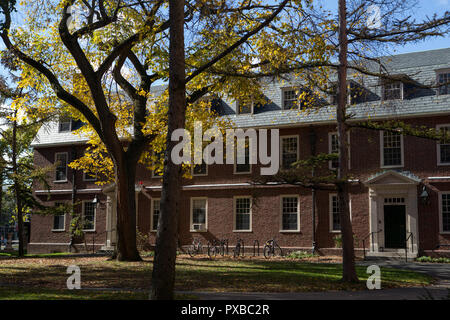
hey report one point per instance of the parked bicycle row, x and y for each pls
(222, 248)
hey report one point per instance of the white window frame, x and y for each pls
(281, 147)
(250, 145)
(191, 229)
(329, 149)
(199, 174)
(438, 145)
(67, 164)
(281, 213)
(251, 213)
(64, 224)
(330, 211)
(441, 223)
(70, 126)
(238, 108)
(297, 93)
(439, 72)
(402, 152)
(83, 214)
(151, 212)
(87, 179)
(402, 92)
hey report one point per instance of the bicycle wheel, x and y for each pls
(236, 251)
(191, 250)
(277, 252)
(212, 251)
(267, 251)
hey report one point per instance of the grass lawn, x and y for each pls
(44, 277)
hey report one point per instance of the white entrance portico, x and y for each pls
(393, 213)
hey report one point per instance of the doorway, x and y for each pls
(394, 226)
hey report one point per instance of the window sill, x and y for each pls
(90, 230)
(289, 231)
(199, 231)
(444, 164)
(249, 172)
(243, 231)
(58, 230)
(60, 181)
(392, 167)
(335, 231)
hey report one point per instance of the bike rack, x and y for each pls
(226, 242)
(255, 245)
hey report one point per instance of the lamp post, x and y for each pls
(424, 196)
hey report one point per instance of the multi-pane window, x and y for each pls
(59, 219)
(65, 124)
(88, 177)
(445, 212)
(392, 90)
(156, 207)
(244, 107)
(335, 221)
(290, 99)
(392, 148)
(444, 145)
(242, 207)
(444, 83)
(198, 222)
(61, 166)
(334, 148)
(200, 169)
(289, 151)
(89, 215)
(243, 167)
(289, 214)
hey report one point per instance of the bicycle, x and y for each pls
(271, 248)
(237, 248)
(213, 248)
(195, 248)
(217, 247)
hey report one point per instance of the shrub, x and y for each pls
(433, 260)
(300, 255)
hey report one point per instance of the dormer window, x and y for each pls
(356, 93)
(293, 98)
(244, 107)
(444, 82)
(65, 124)
(290, 99)
(392, 90)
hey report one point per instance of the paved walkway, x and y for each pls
(441, 290)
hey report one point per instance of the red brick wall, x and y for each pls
(420, 158)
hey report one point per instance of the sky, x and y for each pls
(425, 8)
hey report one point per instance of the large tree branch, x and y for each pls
(61, 93)
(237, 43)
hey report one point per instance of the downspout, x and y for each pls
(312, 141)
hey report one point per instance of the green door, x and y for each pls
(394, 226)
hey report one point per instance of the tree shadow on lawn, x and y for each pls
(204, 275)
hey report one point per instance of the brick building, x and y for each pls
(400, 185)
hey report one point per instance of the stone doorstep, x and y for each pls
(392, 254)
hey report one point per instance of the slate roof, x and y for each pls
(419, 66)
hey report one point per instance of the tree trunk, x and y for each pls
(17, 187)
(348, 253)
(126, 209)
(163, 277)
